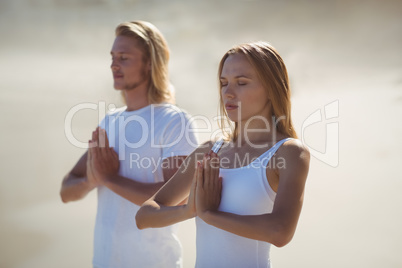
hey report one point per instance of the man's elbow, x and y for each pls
(63, 199)
(67, 195)
(63, 196)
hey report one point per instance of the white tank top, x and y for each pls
(245, 191)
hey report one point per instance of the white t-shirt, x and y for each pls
(142, 139)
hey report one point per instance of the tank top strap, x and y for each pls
(265, 157)
(217, 146)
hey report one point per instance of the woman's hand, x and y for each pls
(208, 186)
(191, 202)
(103, 161)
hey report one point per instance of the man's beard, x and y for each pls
(145, 78)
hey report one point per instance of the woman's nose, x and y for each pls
(228, 92)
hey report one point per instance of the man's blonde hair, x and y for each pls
(156, 51)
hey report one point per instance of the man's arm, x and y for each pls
(104, 164)
(75, 185)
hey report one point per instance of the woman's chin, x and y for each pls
(233, 119)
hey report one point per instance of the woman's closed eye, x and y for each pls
(241, 83)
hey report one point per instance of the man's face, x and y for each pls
(128, 67)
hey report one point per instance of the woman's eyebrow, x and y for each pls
(237, 76)
(243, 76)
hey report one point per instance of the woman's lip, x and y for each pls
(231, 107)
(117, 76)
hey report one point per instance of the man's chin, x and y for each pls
(118, 87)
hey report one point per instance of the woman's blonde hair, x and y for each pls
(155, 50)
(271, 71)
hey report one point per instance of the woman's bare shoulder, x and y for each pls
(294, 149)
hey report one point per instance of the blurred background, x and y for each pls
(54, 55)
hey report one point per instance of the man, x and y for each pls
(150, 140)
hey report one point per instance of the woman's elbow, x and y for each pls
(282, 236)
(138, 220)
(281, 242)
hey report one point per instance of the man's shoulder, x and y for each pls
(116, 111)
(170, 112)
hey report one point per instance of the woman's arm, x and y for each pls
(277, 227)
(138, 192)
(162, 209)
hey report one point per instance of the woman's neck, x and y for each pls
(257, 132)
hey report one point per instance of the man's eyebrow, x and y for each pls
(118, 52)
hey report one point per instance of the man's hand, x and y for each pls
(103, 161)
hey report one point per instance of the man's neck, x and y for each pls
(136, 98)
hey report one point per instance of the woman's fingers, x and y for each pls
(220, 186)
(195, 177)
(200, 175)
(215, 168)
(211, 171)
(207, 171)
(194, 184)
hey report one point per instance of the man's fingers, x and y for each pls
(105, 150)
(113, 153)
(89, 154)
(94, 142)
(96, 137)
(94, 151)
(103, 141)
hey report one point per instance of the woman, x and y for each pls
(246, 192)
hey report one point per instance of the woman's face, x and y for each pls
(242, 92)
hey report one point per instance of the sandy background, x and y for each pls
(55, 55)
